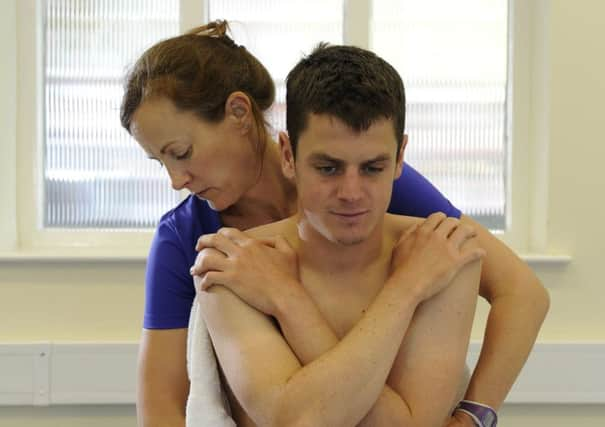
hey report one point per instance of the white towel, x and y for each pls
(207, 405)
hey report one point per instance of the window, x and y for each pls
(278, 33)
(458, 104)
(94, 175)
(452, 57)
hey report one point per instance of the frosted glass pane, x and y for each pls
(278, 33)
(452, 56)
(95, 175)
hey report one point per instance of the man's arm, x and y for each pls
(427, 374)
(305, 329)
(309, 335)
(336, 389)
(519, 304)
(162, 384)
(339, 386)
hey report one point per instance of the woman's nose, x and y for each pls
(179, 179)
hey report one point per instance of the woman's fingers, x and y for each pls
(408, 232)
(447, 227)
(471, 255)
(218, 241)
(206, 281)
(236, 236)
(208, 259)
(433, 221)
(461, 234)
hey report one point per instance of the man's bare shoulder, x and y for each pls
(395, 225)
(280, 228)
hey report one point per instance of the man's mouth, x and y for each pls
(348, 214)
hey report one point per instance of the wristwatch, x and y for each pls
(482, 415)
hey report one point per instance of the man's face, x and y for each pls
(345, 178)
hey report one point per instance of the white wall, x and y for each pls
(101, 302)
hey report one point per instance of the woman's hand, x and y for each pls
(259, 271)
(429, 255)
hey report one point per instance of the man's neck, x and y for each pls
(318, 253)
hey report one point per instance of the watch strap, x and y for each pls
(482, 415)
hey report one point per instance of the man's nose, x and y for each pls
(350, 186)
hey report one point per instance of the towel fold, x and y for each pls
(207, 404)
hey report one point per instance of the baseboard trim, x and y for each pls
(45, 373)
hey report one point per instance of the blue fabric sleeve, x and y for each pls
(169, 289)
(414, 195)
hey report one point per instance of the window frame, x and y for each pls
(20, 180)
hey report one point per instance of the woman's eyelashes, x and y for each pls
(182, 155)
(157, 160)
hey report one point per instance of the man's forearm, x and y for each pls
(340, 387)
(513, 324)
(309, 335)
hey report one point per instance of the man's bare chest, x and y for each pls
(343, 298)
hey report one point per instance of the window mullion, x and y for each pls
(8, 124)
(357, 16)
(193, 13)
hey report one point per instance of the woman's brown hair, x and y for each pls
(198, 71)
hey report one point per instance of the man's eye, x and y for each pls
(373, 170)
(326, 170)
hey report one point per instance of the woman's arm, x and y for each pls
(162, 384)
(518, 300)
(162, 381)
(519, 304)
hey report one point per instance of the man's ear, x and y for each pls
(399, 164)
(238, 109)
(287, 156)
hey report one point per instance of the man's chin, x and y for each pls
(350, 240)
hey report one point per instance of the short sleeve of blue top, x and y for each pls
(169, 289)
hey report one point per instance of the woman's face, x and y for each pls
(214, 161)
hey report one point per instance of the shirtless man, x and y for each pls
(352, 316)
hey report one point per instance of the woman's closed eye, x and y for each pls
(182, 155)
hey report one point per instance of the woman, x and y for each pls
(196, 104)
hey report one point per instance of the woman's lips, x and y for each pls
(202, 193)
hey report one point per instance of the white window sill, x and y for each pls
(546, 259)
(140, 256)
(72, 255)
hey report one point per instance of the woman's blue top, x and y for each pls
(169, 289)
